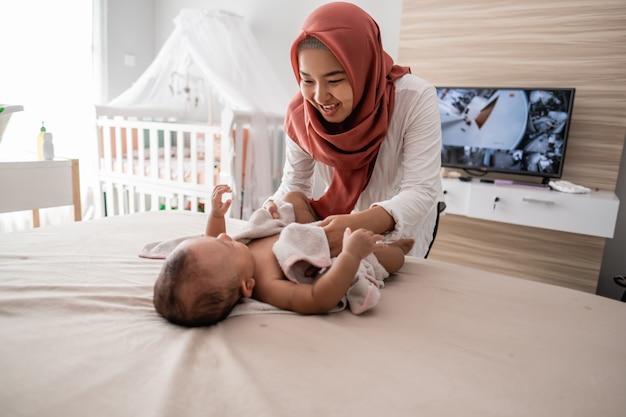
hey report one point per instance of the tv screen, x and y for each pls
(510, 130)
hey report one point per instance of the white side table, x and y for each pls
(27, 183)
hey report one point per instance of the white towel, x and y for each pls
(160, 249)
(299, 247)
(261, 224)
(251, 306)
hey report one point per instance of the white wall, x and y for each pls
(274, 22)
(129, 31)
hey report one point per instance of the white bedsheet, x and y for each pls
(79, 337)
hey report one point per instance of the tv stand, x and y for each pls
(514, 183)
(533, 205)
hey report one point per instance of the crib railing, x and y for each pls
(147, 165)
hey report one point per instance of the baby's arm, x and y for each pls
(216, 223)
(329, 289)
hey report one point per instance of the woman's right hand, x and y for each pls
(272, 208)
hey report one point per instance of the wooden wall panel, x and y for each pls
(531, 43)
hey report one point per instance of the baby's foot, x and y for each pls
(404, 244)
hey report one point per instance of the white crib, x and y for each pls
(147, 162)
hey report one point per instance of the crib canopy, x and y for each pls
(210, 62)
(209, 69)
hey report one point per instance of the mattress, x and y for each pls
(79, 337)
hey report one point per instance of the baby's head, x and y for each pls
(202, 280)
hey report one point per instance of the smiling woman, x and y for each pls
(367, 126)
(46, 67)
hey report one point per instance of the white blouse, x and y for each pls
(406, 180)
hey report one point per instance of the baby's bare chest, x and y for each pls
(267, 267)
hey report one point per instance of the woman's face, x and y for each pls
(324, 83)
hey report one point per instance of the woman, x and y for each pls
(370, 127)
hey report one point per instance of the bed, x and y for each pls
(80, 338)
(147, 160)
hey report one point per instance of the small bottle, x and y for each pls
(40, 141)
(48, 147)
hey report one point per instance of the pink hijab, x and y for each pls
(354, 38)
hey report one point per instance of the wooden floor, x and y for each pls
(559, 258)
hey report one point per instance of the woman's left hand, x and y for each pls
(335, 226)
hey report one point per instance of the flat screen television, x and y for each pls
(520, 131)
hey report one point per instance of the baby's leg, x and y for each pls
(301, 206)
(392, 257)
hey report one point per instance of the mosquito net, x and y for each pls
(209, 66)
(211, 61)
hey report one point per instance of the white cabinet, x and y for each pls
(457, 194)
(592, 214)
(27, 183)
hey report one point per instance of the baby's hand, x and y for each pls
(361, 242)
(272, 208)
(219, 207)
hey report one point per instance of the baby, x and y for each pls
(203, 278)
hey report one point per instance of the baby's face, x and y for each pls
(223, 255)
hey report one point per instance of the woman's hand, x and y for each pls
(334, 227)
